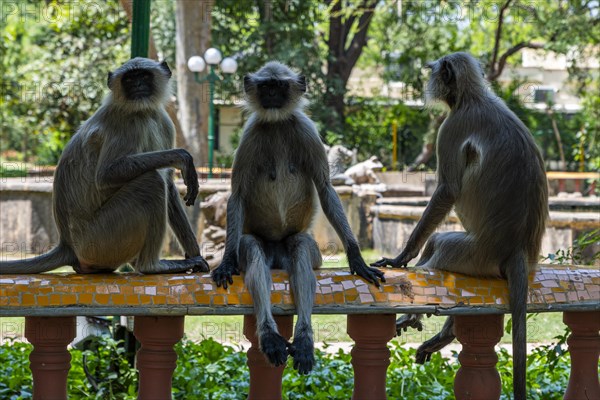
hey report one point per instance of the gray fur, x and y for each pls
(280, 168)
(113, 186)
(491, 171)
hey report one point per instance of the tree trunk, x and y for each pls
(345, 47)
(193, 38)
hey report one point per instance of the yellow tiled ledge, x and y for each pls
(552, 288)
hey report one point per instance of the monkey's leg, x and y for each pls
(151, 192)
(305, 257)
(436, 343)
(253, 260)
(459, 252)
(454, 252)
(118, 230)
(180, 224)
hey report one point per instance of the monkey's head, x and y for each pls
(274, 92)
(454, 78)
(140, 84)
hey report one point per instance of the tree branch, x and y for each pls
(335, 28)
(498, 36)
(493, 75)
(360, 38)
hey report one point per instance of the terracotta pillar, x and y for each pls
(265, 380)
(156, 360)
(370, 354)
(50, 361)
(477, 377)
(584, 347)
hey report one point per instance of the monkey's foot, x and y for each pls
(274, 347)
(432, 345)
(302, 350)
(409, 321)
(399, 262)
(223, 274)
(195, 264)
(198, 264)
(385, 262)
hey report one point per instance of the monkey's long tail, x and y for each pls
(57, 257)
(516, 273)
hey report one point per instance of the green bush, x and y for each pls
(210, 370)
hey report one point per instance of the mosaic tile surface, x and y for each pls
(551, 288)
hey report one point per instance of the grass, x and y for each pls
(541, 328)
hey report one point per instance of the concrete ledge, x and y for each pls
(552, 288)
(558, 219)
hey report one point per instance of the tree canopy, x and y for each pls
(55, 56)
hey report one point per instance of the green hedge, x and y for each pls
(210, 370)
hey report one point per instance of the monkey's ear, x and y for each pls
(109, 79)
(247, 83)
(446, 72)
(302, 83)
(166, 68)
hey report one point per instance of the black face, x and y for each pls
(138, 84)
(273, 93)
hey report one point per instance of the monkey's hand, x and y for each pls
(223, 274)
(190, 177)
(360, 268)
(399, 262)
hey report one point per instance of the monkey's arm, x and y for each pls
(439, 206)
(124, 169)
(180, 224)
(222, 275)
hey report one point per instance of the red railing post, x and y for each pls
(265, 380)
(156, 359)
(477, 377)
(584, 347)
(370, 354)
(50, 360)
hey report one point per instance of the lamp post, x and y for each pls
(196, 64)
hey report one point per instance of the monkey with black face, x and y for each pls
(491, 171)
(113, 186)
(280, 169)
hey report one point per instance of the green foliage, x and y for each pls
(210, 370)
(369, 129)
(12, 169)
(15, 377)
(54, 70)
(111, 375)
(577, 253)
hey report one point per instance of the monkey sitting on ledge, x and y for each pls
(113, 187)
(491, 171)
(280, 169)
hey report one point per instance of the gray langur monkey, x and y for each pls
(113, 186)
(279, 170)
(491, 171)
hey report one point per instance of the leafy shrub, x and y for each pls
(210, 370)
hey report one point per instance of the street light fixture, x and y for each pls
(196, 64)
